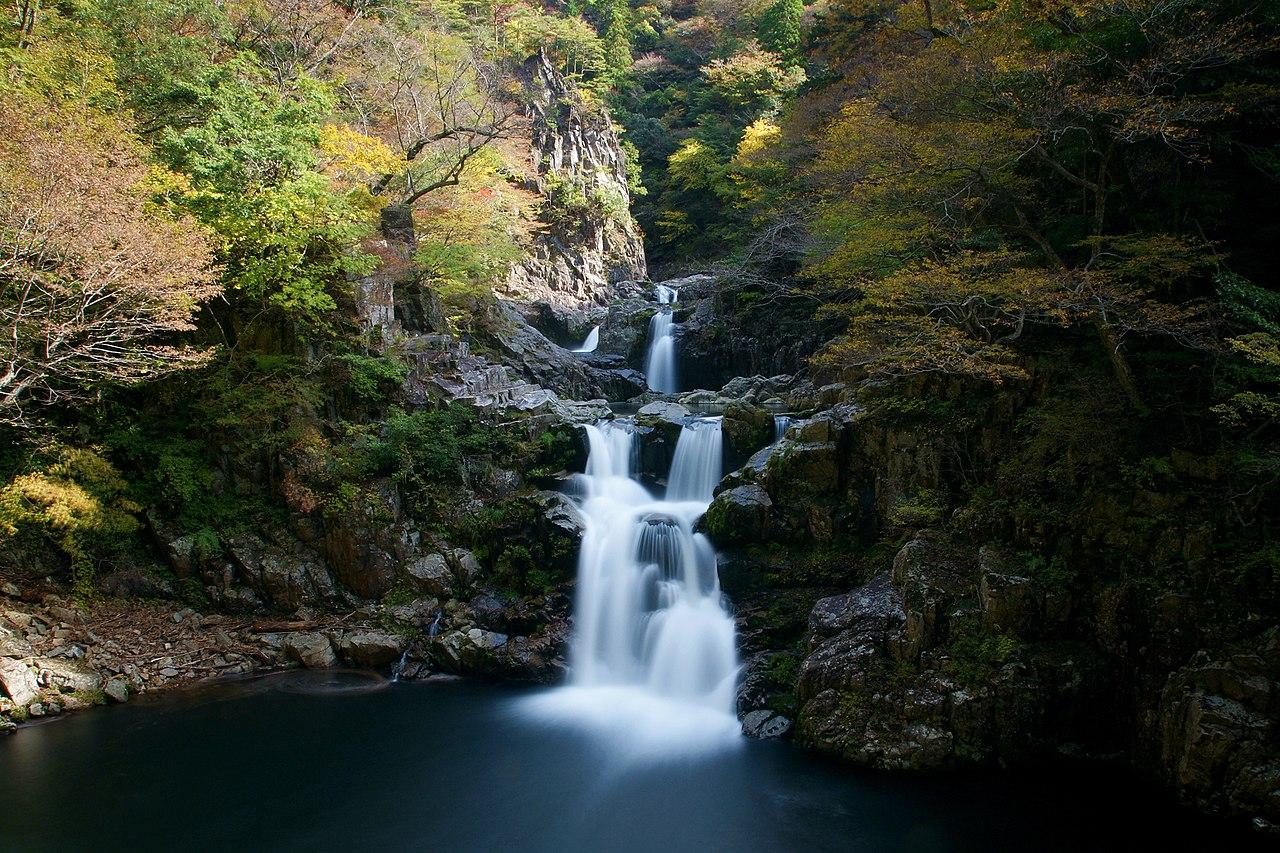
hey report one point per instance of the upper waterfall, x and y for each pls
(660, 362)
(592, 341)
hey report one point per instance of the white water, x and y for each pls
(592, 341)
(660, 365)
(781, 423)
(695, 470)
(665, 295)
(653, 657)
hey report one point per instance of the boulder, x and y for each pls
(765, 724)
(309, 648)
(746, 429)
(117, 690)
(66, 676)
(374, 649)
(14, 645)
(739, 515)
(466, 568)
(873, 611)
(662, 412)
(432, 575)
(17, 681)
(558, 528)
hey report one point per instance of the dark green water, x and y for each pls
(456, 767)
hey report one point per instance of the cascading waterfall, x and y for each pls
(660, 362)
(592, 341)
(653, 641)
(695, 469)
(781, 423)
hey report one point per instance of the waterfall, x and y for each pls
(660, 365)
(665, 295)
(653, 642)
(781, 423)
(695, 470)
(592, 341)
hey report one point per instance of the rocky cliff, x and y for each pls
(589, 243)
(898, 626)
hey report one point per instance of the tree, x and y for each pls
(779, 29)
(94, 281)
(1023, 139)
(617, 37)
(253, 172)
(434, 98)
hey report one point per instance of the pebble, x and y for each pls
(169, 672)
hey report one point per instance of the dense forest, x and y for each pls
(1012, 256)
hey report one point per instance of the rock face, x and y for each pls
(880, 685)
(592, 244)
(1217, 730)
(363, 547)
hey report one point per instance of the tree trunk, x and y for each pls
(1119, 364)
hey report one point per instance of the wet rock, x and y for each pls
(765, 724)
(739, 515)
(311, 649)
(553, 370)
(374, 649)
(662, 412)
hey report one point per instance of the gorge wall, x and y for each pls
(588, 245)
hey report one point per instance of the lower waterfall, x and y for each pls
(654, 646)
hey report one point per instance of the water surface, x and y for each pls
(284, 764)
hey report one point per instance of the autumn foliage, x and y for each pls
(95, 283)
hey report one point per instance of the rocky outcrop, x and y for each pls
(1219, 740)
(551, 366)
(899, 675)
(591, 244)
(367, 545)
